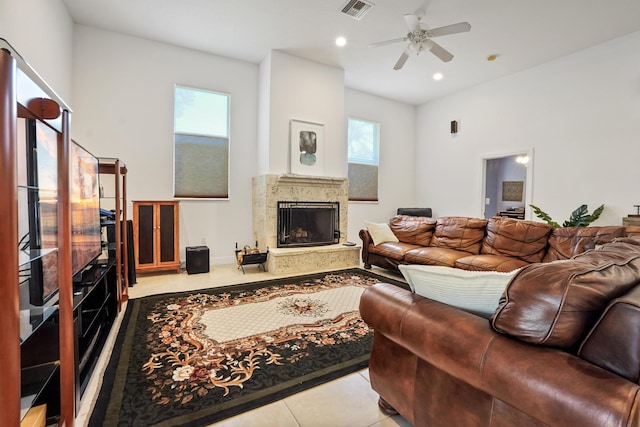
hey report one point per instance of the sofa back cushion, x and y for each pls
(556, 303)
(525, 240)
(614, 342)
(459, 233)
(565, 242)
(632, 230)
(416, 230)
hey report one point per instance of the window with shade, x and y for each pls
(201, 144)
(364, 145)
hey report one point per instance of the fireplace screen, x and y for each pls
(308, 223)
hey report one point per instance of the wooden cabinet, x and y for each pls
(156, 235)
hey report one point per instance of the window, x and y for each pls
(201, 144)
(364, 145)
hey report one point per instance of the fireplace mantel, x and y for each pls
(310, 181)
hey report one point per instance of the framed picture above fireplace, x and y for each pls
(307, 148)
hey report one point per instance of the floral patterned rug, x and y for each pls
(194, 358)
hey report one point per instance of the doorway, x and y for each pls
(507, 179)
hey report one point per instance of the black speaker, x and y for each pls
(111, 238)
(197, 259)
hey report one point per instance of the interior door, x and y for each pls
(507, 184)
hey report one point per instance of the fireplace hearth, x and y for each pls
(308, 224)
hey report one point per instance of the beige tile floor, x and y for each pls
(348, 401)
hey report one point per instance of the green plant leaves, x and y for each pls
(579, 217)
(544, 216)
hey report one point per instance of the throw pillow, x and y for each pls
(478, 292)
(380, 232)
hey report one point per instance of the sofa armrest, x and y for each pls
(559, 388)
(366, 241)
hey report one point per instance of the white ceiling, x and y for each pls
(521, 33)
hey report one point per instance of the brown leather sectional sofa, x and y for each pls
(562, 349)
(497, 244)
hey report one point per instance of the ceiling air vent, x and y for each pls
(357, 8)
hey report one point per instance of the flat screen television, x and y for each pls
(86, 243)
(42, 208)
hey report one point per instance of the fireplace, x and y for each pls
(308, 224)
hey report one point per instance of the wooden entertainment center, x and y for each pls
(51, 331)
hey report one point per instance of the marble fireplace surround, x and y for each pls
(271, 188)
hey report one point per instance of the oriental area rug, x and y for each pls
(194, 358)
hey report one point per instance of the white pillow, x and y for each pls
(380, 232)
(478, 292)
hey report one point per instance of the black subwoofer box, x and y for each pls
(197, 259)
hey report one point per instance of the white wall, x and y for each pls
(41, 31)
(396, 172)
(581, 116)
(309, 91)
(123, 102)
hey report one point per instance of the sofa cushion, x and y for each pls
(484, 262)
(459, 233)
(393, 250)
(565, 242)
(632, 230)
(433, 256)
(556, 303)
(632, 239)
(478, 292)
(380, 232)
(416, 230)
(614, 342)
(525, 240)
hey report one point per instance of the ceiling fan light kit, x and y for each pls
(420, 39)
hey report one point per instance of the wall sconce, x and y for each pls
(454, 126)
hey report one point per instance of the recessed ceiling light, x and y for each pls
(341, 41)
(491, 58)
(437, 76)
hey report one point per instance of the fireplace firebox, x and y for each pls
(308, 224)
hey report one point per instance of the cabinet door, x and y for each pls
(146, 234)
(167, 224)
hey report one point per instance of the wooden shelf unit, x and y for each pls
(24, 95)
(115, 167)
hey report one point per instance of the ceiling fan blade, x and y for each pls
(440, 52)
(403, 58)
(413, 22)
(460, 27)
(386, 42)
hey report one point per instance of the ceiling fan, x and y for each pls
(420, 39)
